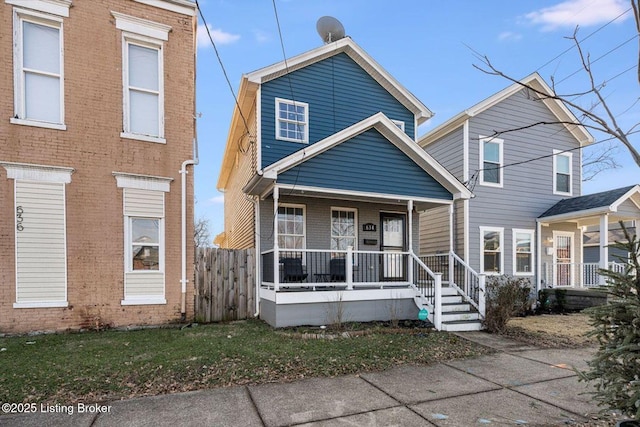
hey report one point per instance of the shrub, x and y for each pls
(505, 297)
(616, 365)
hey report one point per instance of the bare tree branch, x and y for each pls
(636, 15)
(598, 160)
(201, 235)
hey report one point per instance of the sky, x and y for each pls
(430, 47)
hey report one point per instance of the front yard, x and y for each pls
(101, 366)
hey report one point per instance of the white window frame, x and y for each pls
(148, 34)
(305, 139)
(556, 154)
(399, 123)
(20, 16)
(355, 224)
(499, 230)
(128, 220)
(531, 234)
(500, 143)
(304, 226)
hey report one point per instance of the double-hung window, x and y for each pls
(144, 239)
(562, 165)
(291, 227)
(522, 252)
(38, 69)
(491, 162)
(491, 249)
(292, 121)
(343, 228)
(143, 77)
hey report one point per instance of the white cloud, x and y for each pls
(219, 37)
(508, 36)
(262, 36)
(216, 200)
(578, 12)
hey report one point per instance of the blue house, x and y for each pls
(323, 176)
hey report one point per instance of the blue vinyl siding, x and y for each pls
(369, 163)
(339, 94)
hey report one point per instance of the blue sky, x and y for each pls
(428, 46)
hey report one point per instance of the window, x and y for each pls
(343, 229)
(143, 77)
(38, 70)
(291, 227)
(145, 241)
(523, 252)
(292, 121)
(491, 261)
(562, 165)
(399, 123)
(491, 162)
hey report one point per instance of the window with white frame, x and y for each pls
(562, 176)
(144, 238)
(38, 69)
(491, 162)
(522, 252)
(492, 259)
(343, 228)
(291, 227)
(292, 120)
(143, 77)
(399, 123)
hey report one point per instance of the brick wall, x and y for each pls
(91, 145)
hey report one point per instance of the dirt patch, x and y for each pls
(552, 330)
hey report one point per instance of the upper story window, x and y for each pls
(143, 77)
(562, 176)
(492, 244)
(38, 68)
(292, 121)
(399, 123)
(491, 162)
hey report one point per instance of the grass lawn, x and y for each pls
(100, 366)
(552, 330)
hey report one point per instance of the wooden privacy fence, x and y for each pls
(225, 284)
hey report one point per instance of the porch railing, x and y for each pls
(580, 275)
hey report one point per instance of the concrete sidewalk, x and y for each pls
(519, 384)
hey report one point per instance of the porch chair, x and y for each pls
(292, 270)
(337, 270)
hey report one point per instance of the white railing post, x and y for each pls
(276, 253)
(482, 284)
(410, 267)
(451, 269)
(349, 267)
(437, 304)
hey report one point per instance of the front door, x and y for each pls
(563, 258)
(393, 243)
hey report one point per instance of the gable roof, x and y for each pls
(389, 130)
(603, 202)
(250, 83)
(534, 81)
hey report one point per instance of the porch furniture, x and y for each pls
(322, 277)
(292, 270)
(337, 270)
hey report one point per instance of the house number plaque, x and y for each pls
(19, 218)
(369, 227)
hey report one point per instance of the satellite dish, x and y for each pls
(330, 29)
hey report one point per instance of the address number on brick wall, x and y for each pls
(19, 218)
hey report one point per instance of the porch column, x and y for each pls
(410, 260)
(604, 245)
(276, 255)
(450, 272)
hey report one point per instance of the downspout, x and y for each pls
(183, 179)
(256, 212)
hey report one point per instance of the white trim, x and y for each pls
(35, 123)
(556, 154)
(140, 137)
(143, 27)
(539, 254)
(54, 304)
(365, 194)
(355, 224)
(19, 85)
(143, 301)
(636, 189)
(556, 234)
(531, 234)
(40, 173)
(130, 244)
(303, 297)
(142, 182)
(56, 7)
(398, 123)
(500, 142)
(304, 225)
(184, 7)
(259, 130)
(465, 151)
(466, 230)
(305, 123)
(390, 131)
(499, 230)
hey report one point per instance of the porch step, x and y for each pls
(455, 306)
(456, 316)
(452, 299)
(461, 326)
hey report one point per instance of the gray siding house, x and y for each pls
(520, 171)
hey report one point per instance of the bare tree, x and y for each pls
(599, 160)
(201, 234)
(597, 116)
